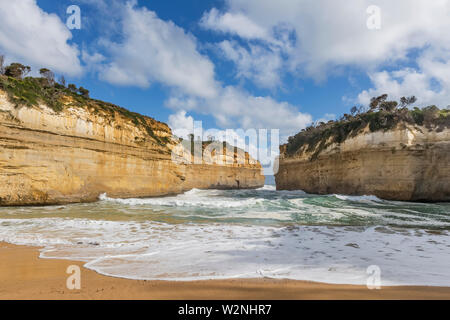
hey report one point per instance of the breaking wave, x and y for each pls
(214, 234)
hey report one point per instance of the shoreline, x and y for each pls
(98, 198)
(23, 275)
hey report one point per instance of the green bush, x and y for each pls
(33, 91)
(382, 115)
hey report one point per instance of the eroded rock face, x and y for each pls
(78, 153)
(408, 163)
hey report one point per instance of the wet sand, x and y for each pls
(23, 275)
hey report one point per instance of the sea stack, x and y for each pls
(395, 154)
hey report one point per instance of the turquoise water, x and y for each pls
(208, 234)
(264, 206)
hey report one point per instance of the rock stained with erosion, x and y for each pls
(408, 163)
(77, 153)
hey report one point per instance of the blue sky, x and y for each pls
(317, 99)
(238, 63)
(306, 94)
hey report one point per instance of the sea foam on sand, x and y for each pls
(149, 250)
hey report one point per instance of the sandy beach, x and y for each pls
(23, 275)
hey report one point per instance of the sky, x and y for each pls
(238, 64)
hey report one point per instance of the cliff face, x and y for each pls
(74, 155)
(410, 163)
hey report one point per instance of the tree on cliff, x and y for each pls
(73, 88)
(406, 101)
(376, 101)
(62, 81)
(2, 62)
(430, 113)
(381, 103)
(48, 75)
(17, 70)
(84, 92)
(388, 105)
(382, 115)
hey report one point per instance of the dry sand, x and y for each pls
(24, 276)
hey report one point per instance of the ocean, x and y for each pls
(216, 234)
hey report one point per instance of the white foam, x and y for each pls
(364, 198)
(151, 250)
(250, 233)
(268, 188)
(193, 203)
(192, 198)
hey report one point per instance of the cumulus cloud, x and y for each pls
(30, 35)
(260, 64)
(326, 117)
(154, 50)
(234, 23)
(331, 35)
(429, 81)
(235, 108)
(181, 124)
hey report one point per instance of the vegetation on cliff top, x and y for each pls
(381, 115)
(32, 91)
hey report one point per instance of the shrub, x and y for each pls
(84, 92)
(2, 61)
(382, 115)
(33, 91)
(17, 70)
(48, 75)
(72, 88)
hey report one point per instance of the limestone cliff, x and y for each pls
(407, 162)
(82, 149)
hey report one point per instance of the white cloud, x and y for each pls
(259, 112)
(32, 36)
(92, 61)
(260, 64)
(264, 149)
(159, 51)
(234, 23)
(181, 124)
(333, 34)
(154, 50)
(235, 108)
(326, 117)
(260, 147)
(429, 81)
